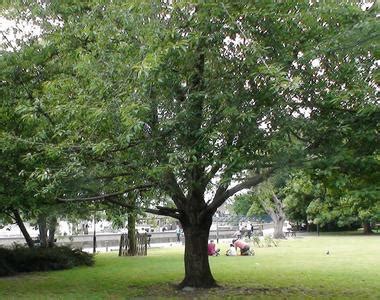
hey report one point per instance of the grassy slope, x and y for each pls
(297, 269)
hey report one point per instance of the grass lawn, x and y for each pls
(297, 269)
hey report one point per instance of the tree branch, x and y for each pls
(222, 193)
(9, 215)
(207, 177)
(107, 196)
(175, 190)
(162, 211)
(111, 176)
(110, 198)
(28, 92)
(358, 43)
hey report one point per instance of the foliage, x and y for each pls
(326, 200)
(96, 74)
(300, 191)
(259, 200)
(20, 259)
(241, 205)
(26, 128)
(192, 99)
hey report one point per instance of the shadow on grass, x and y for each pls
(233, 292)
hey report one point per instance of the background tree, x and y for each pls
(332, 201)
(299, 192)
(267, 199)
(21, 84)
(342, 132)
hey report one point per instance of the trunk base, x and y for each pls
(195, 284)
(197, 268)
(367, 229)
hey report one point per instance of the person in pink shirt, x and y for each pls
(211, 249)
(243, 246)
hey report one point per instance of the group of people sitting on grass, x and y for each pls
(232, 250)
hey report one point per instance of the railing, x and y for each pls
(141, 244)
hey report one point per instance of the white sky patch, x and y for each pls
(232, 46)
(238, 40)
(264, 124)
(12, 32)
(366, 4)
(247, 85)
(305, 112)
(321, 72)
(315, 63)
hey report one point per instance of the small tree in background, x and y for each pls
(266, 199)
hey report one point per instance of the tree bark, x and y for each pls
(132, 248)
(307, 225)
(22, 227)
(42, 228)
(197, 267)
(367, 229)
(276, 211)
(278, 227)
(52, 228)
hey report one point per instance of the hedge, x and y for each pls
(22, 259)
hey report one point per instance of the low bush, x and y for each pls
(21, 259)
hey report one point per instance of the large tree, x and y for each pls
(196, 101)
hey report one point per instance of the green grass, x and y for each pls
(297, 269)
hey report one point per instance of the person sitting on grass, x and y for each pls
(243, 246)
(231, 251)
(211, 249)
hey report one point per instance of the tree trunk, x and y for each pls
(52, 228)
(307, 225)
(197, 268)
(276, 211)
(22, 227)
(367, 229)
(278, 227)
(132, 248)
(43, 230)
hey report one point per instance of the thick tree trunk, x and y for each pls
(132, 249)
(307, 225)
(278, 227)
(22, 227)
(42, 228)
(276, 212)
(52, 228)
(367, 229)
(197, 268)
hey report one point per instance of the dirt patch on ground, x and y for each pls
(21, 276)
(228, 292)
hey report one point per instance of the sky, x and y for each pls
(10, 31)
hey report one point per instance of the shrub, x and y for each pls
(21, 259)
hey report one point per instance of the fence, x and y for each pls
(141, 244)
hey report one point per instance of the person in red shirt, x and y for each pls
(211, 249)
(243, 246)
